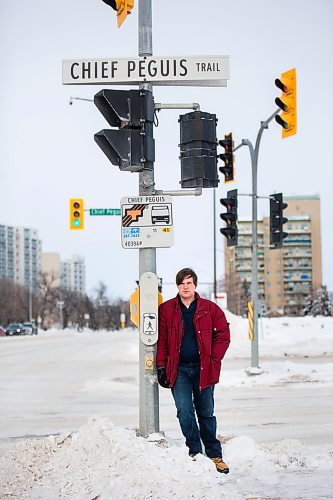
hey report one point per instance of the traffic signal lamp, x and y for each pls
(76, 213)
(276, 220)
(132, 146)
(287, 103)
(228, 158)
(198, 157)
(123, 8)
(230, 217)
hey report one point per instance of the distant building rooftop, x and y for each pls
(304, 197)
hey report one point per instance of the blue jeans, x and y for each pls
(190, 400)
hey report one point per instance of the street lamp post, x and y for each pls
(60, 304)
(214, 239)
(254, 153)
(30, 282)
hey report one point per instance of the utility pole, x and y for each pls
(214, 239)
(254, 153)
(30, 281)
(148, 386)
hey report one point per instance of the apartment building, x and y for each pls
(286, 276)
(20, 255)
(73, 275)
(69, 274)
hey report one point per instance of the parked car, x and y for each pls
(2, 331)
(14, 329)
(30, 328)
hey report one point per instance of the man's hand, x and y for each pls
(161, 377)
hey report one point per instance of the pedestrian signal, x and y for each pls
(130, 143)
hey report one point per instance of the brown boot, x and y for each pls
(220, 465)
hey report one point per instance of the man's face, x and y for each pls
(186, 289)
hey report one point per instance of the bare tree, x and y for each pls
(48, 298)
(14, 302)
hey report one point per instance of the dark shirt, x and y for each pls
(189, 352)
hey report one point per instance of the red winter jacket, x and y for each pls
(213, 337)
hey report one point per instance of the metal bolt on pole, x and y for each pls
(148, 387)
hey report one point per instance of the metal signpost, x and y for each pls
(148, 386)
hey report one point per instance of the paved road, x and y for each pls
(54, 382)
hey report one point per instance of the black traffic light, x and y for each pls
(276, 220)
(198, 157)
(227, 157)
(111, 3)
(132, 147)
(231, 230)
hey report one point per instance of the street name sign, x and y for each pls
(146, 222)
(202, 71)
(104, 211)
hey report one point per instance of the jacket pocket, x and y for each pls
(215, 370)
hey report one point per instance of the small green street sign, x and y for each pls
(104, 211)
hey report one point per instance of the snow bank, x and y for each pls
(278, 373)
(108, 462)
(306, 336)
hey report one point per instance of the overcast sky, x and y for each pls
(48, 153)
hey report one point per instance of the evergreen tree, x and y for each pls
(321, 305)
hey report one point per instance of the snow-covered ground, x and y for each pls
(79, 392)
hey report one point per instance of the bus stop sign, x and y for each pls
(146, 222)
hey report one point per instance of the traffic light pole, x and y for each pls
(214, 240)
(254, 153)
(148, 387)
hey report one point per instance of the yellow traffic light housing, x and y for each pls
(123, 8)
(135, 306)
(76, 213)
(287, 102)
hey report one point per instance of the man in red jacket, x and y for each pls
(192, 341)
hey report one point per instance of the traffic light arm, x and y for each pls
(254, 152)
